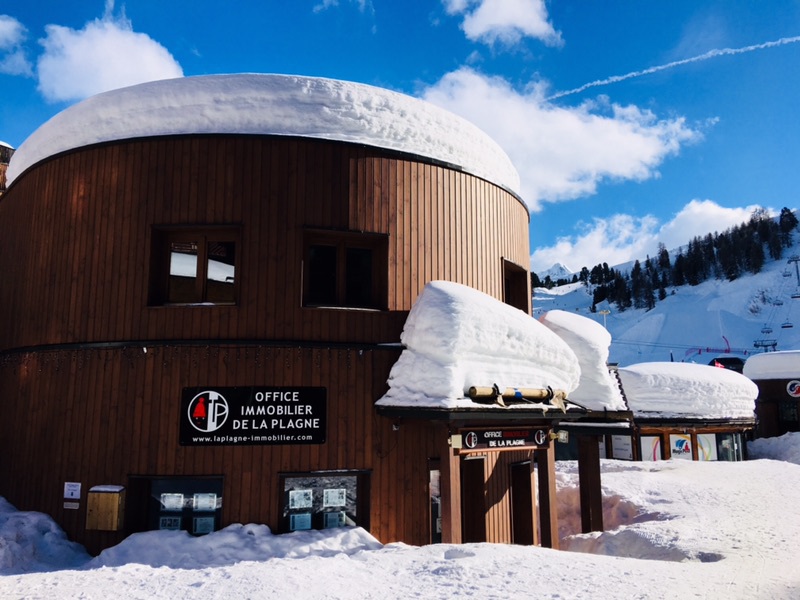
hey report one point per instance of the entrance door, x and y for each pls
(473, 501)
(521, 504)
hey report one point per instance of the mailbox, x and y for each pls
(105, 507)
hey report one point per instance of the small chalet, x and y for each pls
(777, 375)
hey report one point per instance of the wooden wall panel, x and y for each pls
(78, 235)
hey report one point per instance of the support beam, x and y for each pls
(590, 488)
(450, 487)
(548, 521)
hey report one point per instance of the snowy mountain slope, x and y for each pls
(749, 315)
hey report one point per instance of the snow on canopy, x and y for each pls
(773, 365)
(598, 389)
(456, 337)
(2, 143)
(687, 390)
(272, 105)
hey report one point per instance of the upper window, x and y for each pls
(194, 266)
(345, 270)
(515, 286)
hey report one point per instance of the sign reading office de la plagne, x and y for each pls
(225, 416)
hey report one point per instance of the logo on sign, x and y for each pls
(208, 411)
(793, 388)
(471, 439)
(682, 447)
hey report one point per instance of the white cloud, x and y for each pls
(12, 56)
(104, 55)
(363, 5)
(504, 21)
(562, 153)
(700, 217)
(618, 239)
(624, 238)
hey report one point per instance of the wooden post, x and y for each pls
(548, 515)
(450, 488)
(590, 489)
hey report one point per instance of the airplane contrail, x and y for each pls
(710, 54)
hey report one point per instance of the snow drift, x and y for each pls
(456, 337)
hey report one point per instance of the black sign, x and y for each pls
(504, 439)
(235, 416)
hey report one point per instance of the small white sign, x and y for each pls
(72, 490)
(301, 499)
(334, 497)
(72, 505)
(204, 501)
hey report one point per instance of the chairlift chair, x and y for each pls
(787, 325)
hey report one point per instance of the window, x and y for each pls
(194, 266)
(345, 270)
(193, 504)
(515, 286)
(325, 500)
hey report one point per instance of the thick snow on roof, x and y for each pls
(773, 365)
(2, 143)
(687, 390)
(272, 105)
(456, 337)
(598, 389)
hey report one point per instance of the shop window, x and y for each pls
(435, 498)
(325, 500)
(192, 504)
(194, 266)
(729, 446)
(345, 270)
(515, 285)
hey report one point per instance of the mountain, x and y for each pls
(556, 272)
(751, 314)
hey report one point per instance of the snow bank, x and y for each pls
(272, 105)
(456, 337)
(785, 448)
(233, 544)
(598, 389)
(773, 365)
(688, 390)
(31, 541)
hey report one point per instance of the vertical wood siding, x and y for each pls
(75, 256)
(78, 235)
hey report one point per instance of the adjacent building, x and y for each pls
(205, 285)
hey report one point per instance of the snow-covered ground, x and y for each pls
(674, 529)
(697, 323)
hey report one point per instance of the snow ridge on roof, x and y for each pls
(687, 390)
(773, 365)
(456, 337)
(272, 105)
(598, 389)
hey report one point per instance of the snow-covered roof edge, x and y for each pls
(272, 105)
(773, 365)
(687, 390)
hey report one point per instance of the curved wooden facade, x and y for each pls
(92, 368)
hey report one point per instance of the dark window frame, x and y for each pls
(360, 505)
(341, 296)
(515, 285)
(163, 237)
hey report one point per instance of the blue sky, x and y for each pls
(631, 123)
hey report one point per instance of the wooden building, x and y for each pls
(205, 283)
(6, 152)
(648, 411)
(777, 375)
